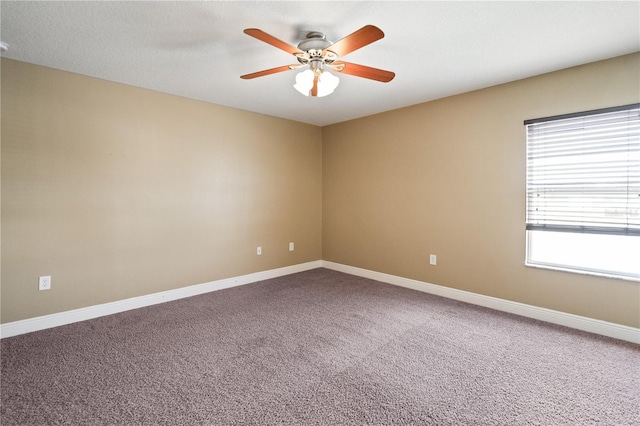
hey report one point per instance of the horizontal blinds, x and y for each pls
(583, 172)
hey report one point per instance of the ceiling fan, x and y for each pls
(321, 55)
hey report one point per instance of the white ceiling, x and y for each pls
(198, 50)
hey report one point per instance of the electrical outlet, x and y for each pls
(44, 283)
(291, 246)
(259, 251)
(432, 259)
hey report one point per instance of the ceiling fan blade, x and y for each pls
(364, 36)
(270, 71)
(269, 39)
(314, 89)
(363, 71)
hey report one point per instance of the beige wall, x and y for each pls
(448, 177)
(117, 191)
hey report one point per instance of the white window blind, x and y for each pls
(583, 172)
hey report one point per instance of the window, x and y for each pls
(583, 192)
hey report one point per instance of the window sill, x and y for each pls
(584, 272)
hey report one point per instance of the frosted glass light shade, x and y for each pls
(327, 83)
(304, 82)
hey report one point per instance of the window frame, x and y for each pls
(543, 225)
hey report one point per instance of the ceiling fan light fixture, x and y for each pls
(327, 83)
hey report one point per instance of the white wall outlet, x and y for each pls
(291, 246)
(259, 251)
(44, 283)
(432, 259)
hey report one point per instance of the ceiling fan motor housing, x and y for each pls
(314, 40)
(314, 50)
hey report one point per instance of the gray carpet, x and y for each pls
(318, 348)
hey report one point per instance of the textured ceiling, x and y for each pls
(198, 50)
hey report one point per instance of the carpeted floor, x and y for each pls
(317, 348)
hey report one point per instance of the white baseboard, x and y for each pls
(54, 320)
(591, 325)
(604, 328)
